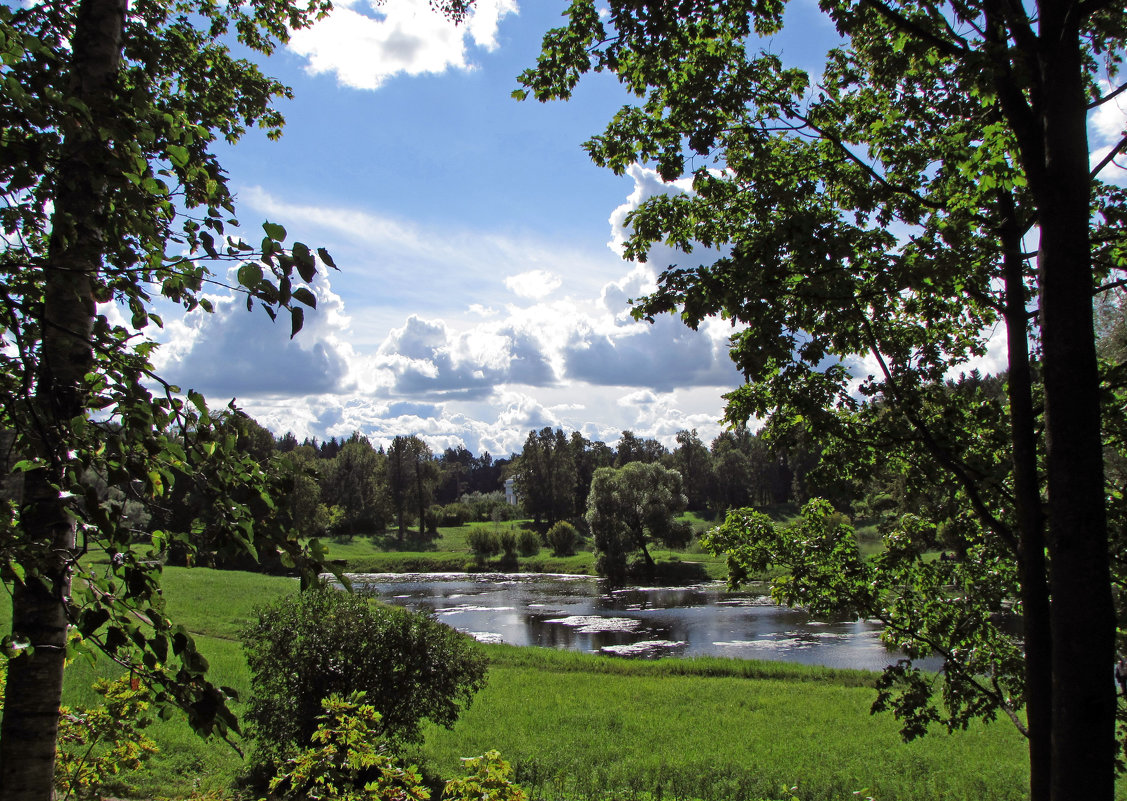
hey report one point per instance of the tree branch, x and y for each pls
(914, 28)
(1115, 151)
(945, 459)
(1108, 97)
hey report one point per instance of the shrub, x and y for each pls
(307, 646)
(678, 535)
(528, 544)
(486, 779)
(486, 506)
(96, 745)
(484, 543)
(455, 514)
(562, 538)
(508, 542)
(345, 762)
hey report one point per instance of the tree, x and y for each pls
(588, 457)
(191, 515)
(627, 509)
(545, 477)
(425, 477)
(965, 124)
(691, 459)
(632, 449)
(456, 466)
(112, 192)
(411, 475)
(307, 646)
(308, 512)
(354, 481)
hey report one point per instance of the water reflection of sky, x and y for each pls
(584, 614)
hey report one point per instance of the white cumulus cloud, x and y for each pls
(533, 284)
(236, 353)
(365, 43)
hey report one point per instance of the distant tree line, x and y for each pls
(343, 487)
(554, 471)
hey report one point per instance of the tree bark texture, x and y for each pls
(39, 614)
(1082, 616)
(1030, 519)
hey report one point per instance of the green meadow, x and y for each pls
(583, 727)
(450, 552)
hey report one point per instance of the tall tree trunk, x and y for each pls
(1082, 617)
(1031, 522)
(30, 725)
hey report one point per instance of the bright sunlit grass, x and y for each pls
(581, 727)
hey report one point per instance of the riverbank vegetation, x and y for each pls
(577, 726)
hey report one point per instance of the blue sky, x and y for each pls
(480, 293)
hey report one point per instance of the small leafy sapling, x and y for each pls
(346, 761)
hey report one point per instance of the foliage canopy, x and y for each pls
(110, 117)
(869, 231)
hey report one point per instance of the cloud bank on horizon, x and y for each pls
(542, 354)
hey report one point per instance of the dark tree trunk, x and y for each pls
(1030, 520)
(31, 711)
(1082, 618)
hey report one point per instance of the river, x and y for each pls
(586, 614)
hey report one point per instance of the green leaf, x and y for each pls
(303, 295)
(178, 155)
(274, 231)
(306, 265)
(326, 258)
(250, 275)
(297, 320)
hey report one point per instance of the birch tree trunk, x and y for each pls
(39, 614)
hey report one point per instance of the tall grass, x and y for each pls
(587, 735)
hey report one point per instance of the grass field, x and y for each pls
(582, 727)
(449, 552)
(577, 731)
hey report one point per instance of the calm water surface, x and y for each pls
(585, 614)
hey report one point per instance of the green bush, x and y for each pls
(486, 779)
(307, 646)
(345, 762)
(455, 514)
(562, 538)
(486, 506)
(528, 544)
(678, 535)
(508, 541)
(97, 745)
(484, 543)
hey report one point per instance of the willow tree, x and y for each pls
(872, 231)
(628, 508)
(112, 194)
